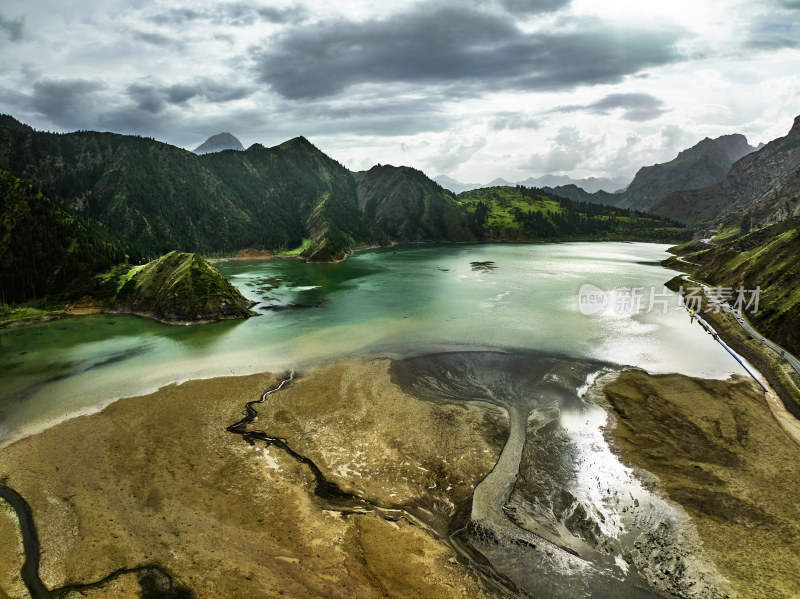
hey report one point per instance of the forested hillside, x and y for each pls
(44, 249)
(524, 213)
(163, 198)
(405, 204)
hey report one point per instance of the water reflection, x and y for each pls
(559, 516)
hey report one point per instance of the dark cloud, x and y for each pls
(236, 13)
(13, 29)
(790, 4)
(292, 14)
(634, 107)
(155, 98)
(180, 93)
(65, 102)
(531, 7)
(475, 48)
(147, 97)
(176, 16)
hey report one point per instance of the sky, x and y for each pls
(473, 89)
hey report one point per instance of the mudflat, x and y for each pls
(153, 494)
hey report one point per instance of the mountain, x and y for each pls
(703, 164)
(590, 184)
(406, 204)
(180, 288)
(453, 185)
(218, 143)
(44, 250)
(760, 187)
(577, 194)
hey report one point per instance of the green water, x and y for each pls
(392, 301)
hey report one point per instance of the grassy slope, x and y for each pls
(181, 287)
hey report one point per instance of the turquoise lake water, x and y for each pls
(396, 301)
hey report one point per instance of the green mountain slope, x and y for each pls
(523, 214)
(162, 197)
(406, 205)
(44, 250)
(180, 287)
(770, 259)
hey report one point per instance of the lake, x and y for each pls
(397, 302)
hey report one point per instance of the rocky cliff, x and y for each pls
(702, 165)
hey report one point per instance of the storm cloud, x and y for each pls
(235, 13)
(155, 98)
(65, 101)
(477, 89)
(453, 45)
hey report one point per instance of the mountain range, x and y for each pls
(590, 184)
(758, 190)
(160, 197)
(142, 198)
(705, 163)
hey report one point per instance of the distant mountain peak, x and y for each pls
(794, 133)
(218, 143)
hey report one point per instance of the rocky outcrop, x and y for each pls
(702, 165)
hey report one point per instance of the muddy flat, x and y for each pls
(157, 480)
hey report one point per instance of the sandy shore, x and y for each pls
(157, 480)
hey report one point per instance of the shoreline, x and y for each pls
(777, 374)
(69, 311)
